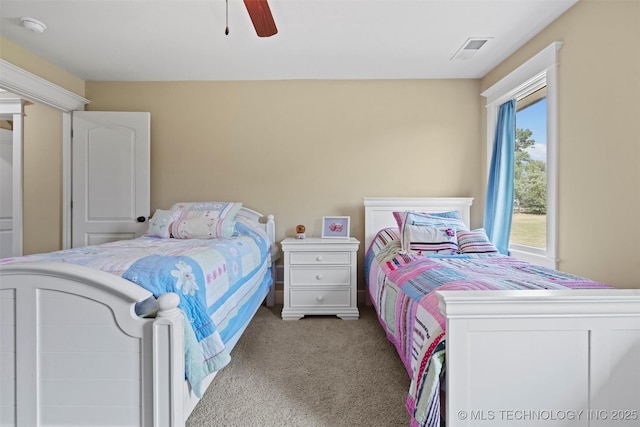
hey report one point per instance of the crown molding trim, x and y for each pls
(529, 73)
(36, 89)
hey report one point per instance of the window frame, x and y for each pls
(537, 72)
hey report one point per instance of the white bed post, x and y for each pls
(267, 224)
(270, 227)
(168, 363)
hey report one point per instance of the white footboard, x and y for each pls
(542, 358)
(74, 352)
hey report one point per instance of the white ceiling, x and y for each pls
(317, 39)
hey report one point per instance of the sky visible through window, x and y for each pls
(534, 118)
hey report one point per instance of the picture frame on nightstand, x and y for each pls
(335, 226)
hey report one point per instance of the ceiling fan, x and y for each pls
(260, 15)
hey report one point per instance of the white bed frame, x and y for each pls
(534, 358)
(71, 343)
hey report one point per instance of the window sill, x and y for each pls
(531, 256)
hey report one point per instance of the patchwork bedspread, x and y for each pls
(219, 282)
(401, 287)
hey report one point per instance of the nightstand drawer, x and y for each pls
(319, 258)
(320, 276)
(320, 297)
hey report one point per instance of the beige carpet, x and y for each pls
(317, 371)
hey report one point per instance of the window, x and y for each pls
(529, 225)
(534, 86)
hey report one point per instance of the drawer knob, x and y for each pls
(318, 276)
(319, 258)
(319, 298)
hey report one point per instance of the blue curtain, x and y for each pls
(499, 205)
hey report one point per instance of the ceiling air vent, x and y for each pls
(470, 47)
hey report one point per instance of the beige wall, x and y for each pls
(599, 147)
(42, 153)
(305, 149)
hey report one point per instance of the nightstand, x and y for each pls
(320, 277)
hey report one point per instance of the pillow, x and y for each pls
(475, 242)
(424, 239)
(226, 207)
(429, 233)
(452, 218)
(205, 220)
(198, 225)
(160, 223)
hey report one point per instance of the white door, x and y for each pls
(6, 193)
(110, 176)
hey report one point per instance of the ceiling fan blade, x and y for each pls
(261, 17)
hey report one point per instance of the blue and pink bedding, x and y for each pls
(401, 286)
(221, 283)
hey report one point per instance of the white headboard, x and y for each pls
(378, 211)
